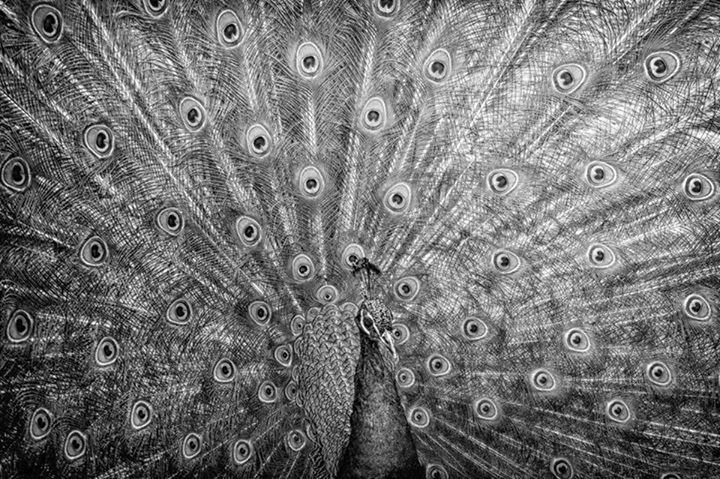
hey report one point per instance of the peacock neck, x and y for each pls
(380, 445)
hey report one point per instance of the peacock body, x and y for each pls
(360, 238)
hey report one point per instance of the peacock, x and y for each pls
(360, 239)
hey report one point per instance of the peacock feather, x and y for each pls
(360, 238)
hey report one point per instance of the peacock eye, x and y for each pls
(155, 8)
(260, 312)
(618, 411)
(600, 256)
(308, 60)
(297, 324)
(438, 66)
(577, 340)
(435, 471)
(486, 409)
(397, 198)
(192, 113)
(502, 181)
(561, 468)
(542, 380)
(93, 252)
(599, 174)
(698, 187)
(697, 307)
(661, 66)
(438, 365)
(311, 182)
(283, 355)
(229, 29)
(224, 371)
(75, 445)
(400, 334)
(568, 78)
(405, 378)
(248, 230)
(658, 373)
(670, 475)
(140, 415)
(419, 417)
(258, 140)
(351, 254)
(99, 140)
(179, 312)
(473, 328)
(47, 22)
(15, 174)
(505, 262)
(302, 268)
(170, 220)
(191, 445)
(40, 424)
(407, 288)
(386, 8)
(327, 294)
(291, 390)
(267, 392)
(19, 326)
(243, 451)
(374, 114)
(296, 440)
(106, 352)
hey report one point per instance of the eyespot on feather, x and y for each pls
(179, 312)
(405, 378)
(20, 326)
(75, 445)
(418, 417)
(267, 392)
(170, 221)
(224, 371)
(543, 380)
(435, 471)
(400, 334)
(242, 451)
(15, 174)
(561, 468)
(93, 252)
(437, 67)
(191, 445)
(193, 114)
(260, 312)
(385, 9)
(600, 256)
(599, 174)
(283, 355)
(698, 187)
(350, 254)
(473, 328)
(302, 268)
(374, 115)
(618, 411)
(502, 181)
(658, 374)
(661, 66)
(155, 8)
(141, 415)
(41, 423)
(568, 78)
(311, 182)
(47, 23)
(99, 140)
(406, 288)
(248, 231)
(697, 307)
(309, 61)
(106, 352)
(258, 140)
(576, 340)
(505, 261)
(228, 29)
(296, 440)
(397, 198)
(438, 365)
(486, 409)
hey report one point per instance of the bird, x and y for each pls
(360, 238)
